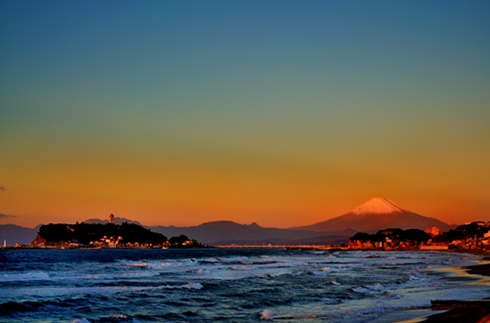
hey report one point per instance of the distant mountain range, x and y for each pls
(211, 233)
(376, 214)
(12, 233)
(228, 232)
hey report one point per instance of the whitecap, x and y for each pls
(25, 276)
(360, 289)
(192, 285)
(317, 252)
(234, 259)
(376, 286)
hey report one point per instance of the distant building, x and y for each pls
(433, 231)
(111, 218)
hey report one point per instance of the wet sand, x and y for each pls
(483, 270)
(477, 311)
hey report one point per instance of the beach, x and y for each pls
(474, 311)
(483, 269)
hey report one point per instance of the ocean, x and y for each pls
(229, 285)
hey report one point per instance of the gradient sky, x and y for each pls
(284, 113)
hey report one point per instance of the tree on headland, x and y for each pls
(470, 236)
(183, 241)
(473, 230)
(107, 235)
(87, 233)
(391, 238)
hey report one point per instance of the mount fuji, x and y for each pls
(377, 214)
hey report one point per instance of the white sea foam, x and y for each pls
(191, 285)
(376, 286)
(24, 276)
(117, 276)
(162, 282)
(317, 252)
(234, 259)
(360, 289)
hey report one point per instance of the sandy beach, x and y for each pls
(475, 311)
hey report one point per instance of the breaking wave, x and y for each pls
(225, 285)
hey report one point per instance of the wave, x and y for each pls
(135, 265)
(191, 285)
(360, 289)
(9, 308)
(226, 285)
(364, 289)
(84, 320)
(24, 276)
(12, 307)
(113, 318)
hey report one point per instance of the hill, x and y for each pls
(228, 232)
(377, 214)
(13, 233)
(85, 234)
(211, 233)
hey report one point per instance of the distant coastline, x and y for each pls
(109, 235)
(472, 237)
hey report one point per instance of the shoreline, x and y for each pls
(477, 311)
(481, 269)
(454, 310)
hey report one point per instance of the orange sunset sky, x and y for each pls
(283, 113)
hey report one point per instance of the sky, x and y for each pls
(284, 113)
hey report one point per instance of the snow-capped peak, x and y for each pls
(378, 205)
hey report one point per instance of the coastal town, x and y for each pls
(470, 237)
(474, 236)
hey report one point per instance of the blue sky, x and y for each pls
(338, 101)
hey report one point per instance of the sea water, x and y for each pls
(229, 285)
